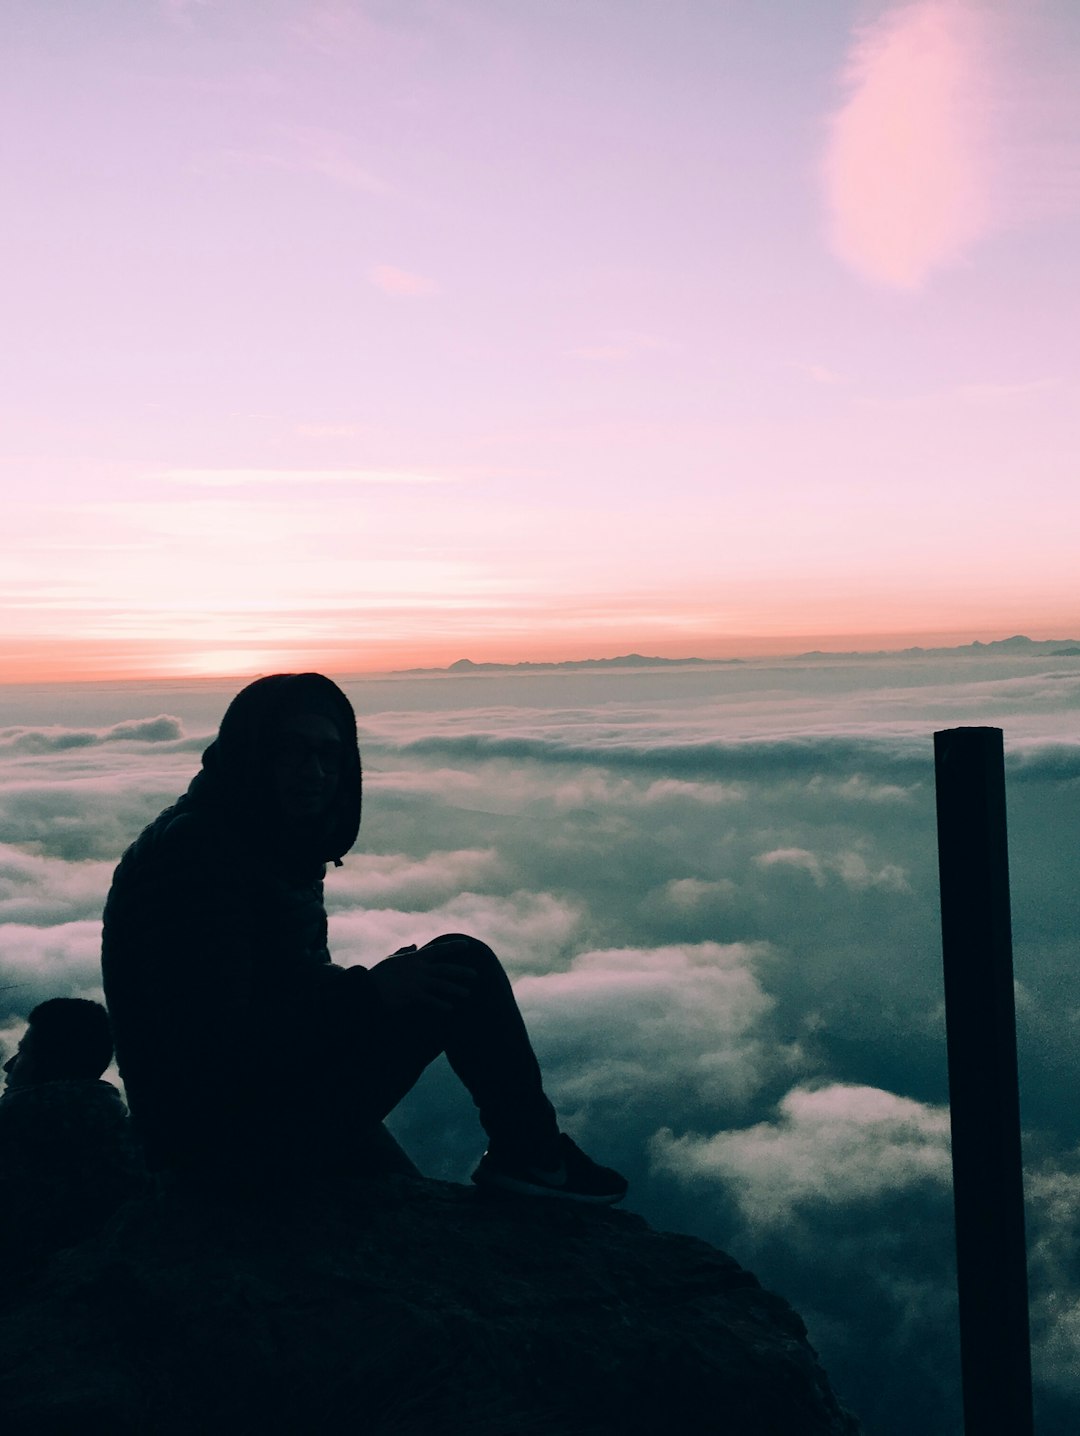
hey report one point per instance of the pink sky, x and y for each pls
(363, 336)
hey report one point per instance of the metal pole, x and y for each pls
(984, 1099)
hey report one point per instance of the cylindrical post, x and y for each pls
(984, 1100)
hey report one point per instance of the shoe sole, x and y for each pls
(523, 1188)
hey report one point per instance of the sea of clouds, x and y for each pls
(716, 891)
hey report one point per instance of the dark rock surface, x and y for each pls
(401, 1306)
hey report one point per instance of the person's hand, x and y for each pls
(411, 978)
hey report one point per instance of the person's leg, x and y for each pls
(487, 1046)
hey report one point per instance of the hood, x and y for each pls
(236, 782)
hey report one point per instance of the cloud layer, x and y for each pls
(716, 896)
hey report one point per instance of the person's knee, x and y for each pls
(460, 947)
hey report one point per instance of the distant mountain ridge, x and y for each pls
(1018, 645)
(628, 660)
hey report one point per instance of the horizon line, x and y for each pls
(775, 654)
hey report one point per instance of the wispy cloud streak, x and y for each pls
(261, 478)
(401, 282)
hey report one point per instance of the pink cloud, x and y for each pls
(331, 431)
(400, 281)
(907, 175)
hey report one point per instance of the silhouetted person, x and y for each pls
(242, 1047)
(67, 1153)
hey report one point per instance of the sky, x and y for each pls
(715, 890)
(359, 335)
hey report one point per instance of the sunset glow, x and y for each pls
(370, 336)
(373, 337)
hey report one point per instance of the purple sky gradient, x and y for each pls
(362, 335)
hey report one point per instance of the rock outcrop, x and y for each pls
(401, 1306)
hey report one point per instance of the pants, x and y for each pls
(487, 1046)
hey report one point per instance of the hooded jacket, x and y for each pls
(227, 1013)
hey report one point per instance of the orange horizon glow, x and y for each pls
(801, 390)
(55, 662)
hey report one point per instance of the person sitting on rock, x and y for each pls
(243, 1049)
(68, 1157)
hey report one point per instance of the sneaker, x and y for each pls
(577, 1178)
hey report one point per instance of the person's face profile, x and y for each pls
(19, 1068)
(306, 755)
